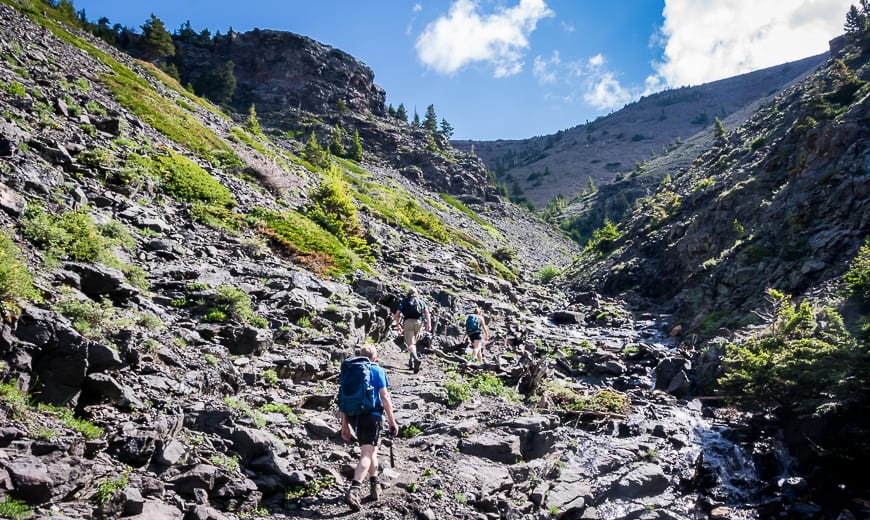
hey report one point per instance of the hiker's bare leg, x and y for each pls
(368, 460)
(476, 347)
(373, 467)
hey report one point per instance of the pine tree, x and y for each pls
(356, 151)
(156, 42)
(391, 111)
(336, 147)
(402, 113)
(313, 153)
(252, 124)
(185, 33)
(446, 129)
(719, 131)
(219, 84)
(430, 121)
(416, 123)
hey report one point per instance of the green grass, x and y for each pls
(309, 243)
(135, 93)
(462, 208)
(16, 282)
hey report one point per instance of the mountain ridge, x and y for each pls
(542, 167)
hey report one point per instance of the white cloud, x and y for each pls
(544, 69)
(465, 36)
(602, 89)
(417, 8)
(714, 39)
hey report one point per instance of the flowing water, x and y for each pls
(707, 468)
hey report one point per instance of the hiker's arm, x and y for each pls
(398, 318)
(345, 428)
(428, 319)
(387, 402)
(485, 330)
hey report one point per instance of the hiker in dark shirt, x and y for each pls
(368, 431)
(412, 309)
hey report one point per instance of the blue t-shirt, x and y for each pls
(379, 380)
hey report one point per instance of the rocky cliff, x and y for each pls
(279, 71)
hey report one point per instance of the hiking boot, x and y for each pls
(417, 364)
(374, 490)
(352, 497)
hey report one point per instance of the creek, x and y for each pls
(676, 456)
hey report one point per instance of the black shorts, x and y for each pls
(474, 336)
(367, 428)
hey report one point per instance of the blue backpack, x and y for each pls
(356, 395)
(472, 323)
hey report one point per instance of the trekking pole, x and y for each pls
(392, 455)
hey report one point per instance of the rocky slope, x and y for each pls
(779, 201)
(542, 167)
(177, 354)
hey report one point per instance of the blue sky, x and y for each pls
(512, 69)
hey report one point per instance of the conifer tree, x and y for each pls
(446, 129)
(430, 120)
(402, 113)
(356, 151)
(391, 111)
(313, 153)
(252, 124)
(416, 123)
(336, 147)
(156, 42)
(219, 84)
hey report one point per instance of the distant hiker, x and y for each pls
(408, 322)
(476, 331)
(371, 383)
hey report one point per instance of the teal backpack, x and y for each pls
(472, 323)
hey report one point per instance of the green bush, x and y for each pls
(333, 209)
(16, 283)
(187, 181)
(308, 243)
(230, 302)
(857, 278)
(14, 509)
(457, 391)
(803, 363)
(604, 238)
(548, 274)
(92, 319)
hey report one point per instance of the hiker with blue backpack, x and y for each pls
(476, 331)
(412, 309)
(363, 396)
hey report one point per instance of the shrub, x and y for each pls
(603, 238)
(187, 181)
(548, 274)
(16, 283)
(14, 509)
(410, 431)
(92, 319)
(488, 384)
(333, 209)
(804, 362)
(857, 278)
(232, 303)
(108, 488)
(457, 391)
